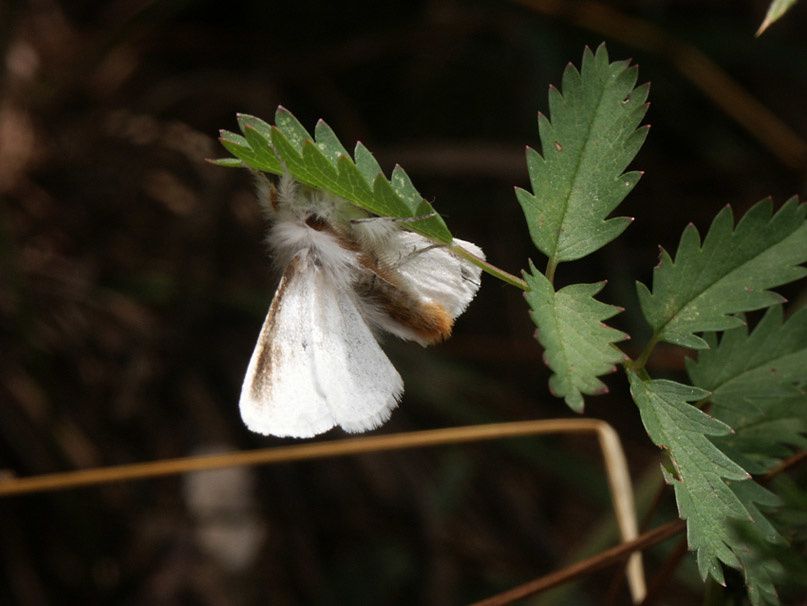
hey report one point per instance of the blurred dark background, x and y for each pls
(134, 279)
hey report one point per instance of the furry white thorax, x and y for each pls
(321, 224)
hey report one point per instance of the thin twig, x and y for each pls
(298, 452)
(786, 464)
(740, 105)
(601, 560)
(613, 458)
(615, 585)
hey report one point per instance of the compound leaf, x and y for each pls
(590, 137)
(578, 346)
(729, 273)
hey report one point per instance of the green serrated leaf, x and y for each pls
(366, 163)
(752, 541)
(762, 444)
(290, 156)
(240, 148)
(756, 382)
(590, 138)
(246, 121)
(578, 346)
(294, 132)
(389, 203)
(228, 162)
(323, 162)
(261, 145)
(324, 172)
(728, 274)
(402, 185)
(748, 372)
(353, 180)
(327, 141)
(704, 498)
(775, 12)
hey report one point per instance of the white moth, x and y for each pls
(317, 363)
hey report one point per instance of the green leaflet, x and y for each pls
(728, 274)
(578, 346)
(763, 442)
(322, 162)
(758, 383)
(704, 498)
(752, 541)
(589, 139)
(775, 12)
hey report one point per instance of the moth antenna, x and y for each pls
(414, 253)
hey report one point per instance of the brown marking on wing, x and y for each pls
(269, 356)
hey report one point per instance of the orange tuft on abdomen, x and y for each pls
(428, 320)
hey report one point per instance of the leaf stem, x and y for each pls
(645, 355)
(488, 267)
(551, 266)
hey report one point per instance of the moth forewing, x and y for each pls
(278, 396)
(316, 364)
(361, 385)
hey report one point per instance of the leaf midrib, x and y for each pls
(553, 258)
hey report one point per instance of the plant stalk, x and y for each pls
(488, 267)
